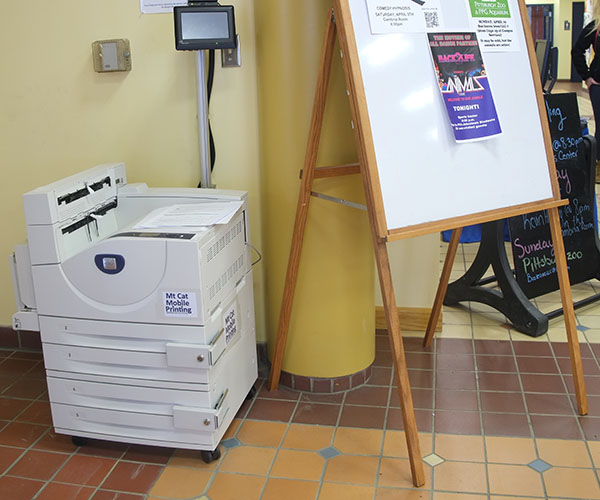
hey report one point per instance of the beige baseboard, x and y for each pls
(411, 318)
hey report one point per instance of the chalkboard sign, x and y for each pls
(532, 247)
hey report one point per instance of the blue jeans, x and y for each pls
(595, 99)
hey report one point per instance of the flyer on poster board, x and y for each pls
(495, 25)
(464, 85)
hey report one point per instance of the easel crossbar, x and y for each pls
(339, 200)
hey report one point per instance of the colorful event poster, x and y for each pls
(464, 86)
(494, 24)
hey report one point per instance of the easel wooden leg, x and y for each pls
(442, 287)
(569, 312)
(308, 176)
(408, 411)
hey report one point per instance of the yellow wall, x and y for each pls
(332, 326)
(57, 116)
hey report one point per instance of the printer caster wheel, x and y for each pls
(251, 393)
(79, 441)
(210, 456)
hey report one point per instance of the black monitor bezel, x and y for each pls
(205, 43)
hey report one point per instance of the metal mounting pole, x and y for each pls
(203, 133)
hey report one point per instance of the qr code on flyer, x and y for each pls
(432, 19)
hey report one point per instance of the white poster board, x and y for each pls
(425, 176)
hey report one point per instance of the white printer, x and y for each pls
(143, 298)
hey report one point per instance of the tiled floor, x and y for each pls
(495, 411)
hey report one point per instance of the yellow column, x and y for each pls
(332, 326)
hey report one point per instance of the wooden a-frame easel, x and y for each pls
(367, 167)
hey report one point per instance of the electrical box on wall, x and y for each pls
(111, 55)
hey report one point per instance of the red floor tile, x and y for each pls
(16, 488)
(308, 397)
(148, 454)
(265, 409)
(457, 422)
(27, 387)
(555, 426)
(38, 465)
(132, 477)
(542, 383)
(19, 367)
(108, 449)
(423, 417)
(11, 407)
(499, 382)
(113, 495)
(454, 346)
(37, 413)
(420, 360)
(422, 398)
(590, 427)
(590, 366)
(456, 400)
(20, 434)
(380, 376)
(458, 362)
(553, 404)
(496, 364)
(316, 414)
(450, 379)
(283, 393)
(507, 402)
(532, 348)
(419, 378)
(58, 491)
(8, 456)
(530, 364)
(497, 347)
(55, 442)
(503, 424)
(368, 396)
(85, 470)
(362, 416)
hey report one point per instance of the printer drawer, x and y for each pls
(185, 425)
(111, 394)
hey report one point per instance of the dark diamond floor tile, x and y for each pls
(503, 424)
(495, 347)
(456, 400)
(316, 414)
(504, 364)
(267, 409)
(542, 383)
(382, 343)
(507, 402)
(549, 404)
(555, 426)
(499, 382)
(368, 396)
(450, 379)
(524, 348)
(362, 416)
(457, 362)
(423, 418)
(457, 422)
(454, 346)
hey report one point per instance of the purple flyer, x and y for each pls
(464, 86)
